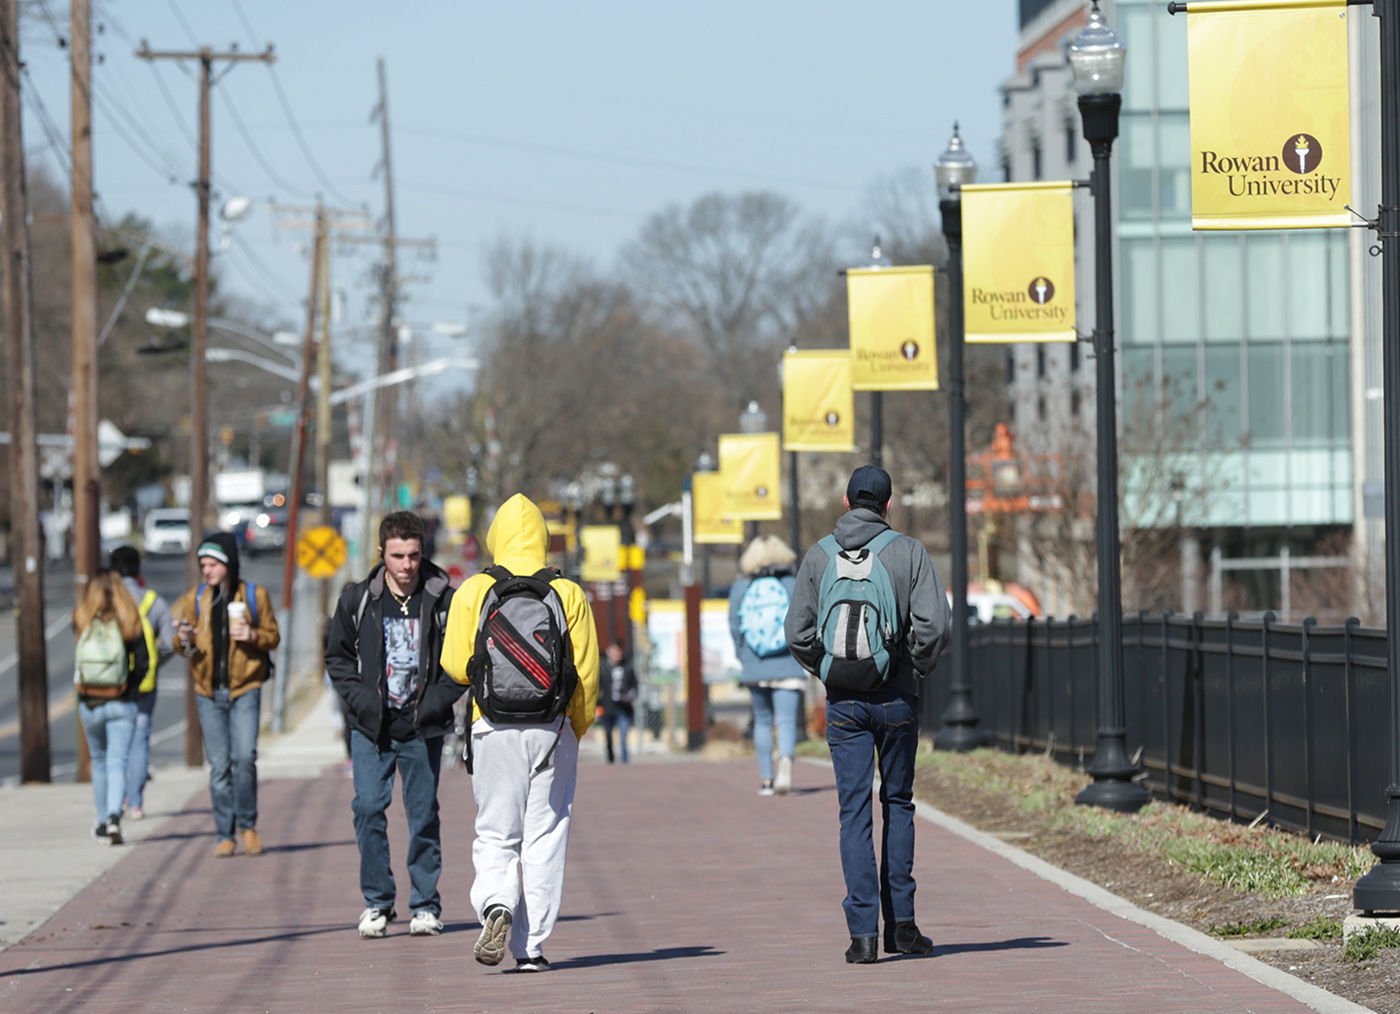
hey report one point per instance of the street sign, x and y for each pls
(321, 551)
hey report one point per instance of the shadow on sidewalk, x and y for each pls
(117, 959)
(1014, 944)
(663, 954)
(474, 926)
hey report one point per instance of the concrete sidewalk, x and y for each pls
(686, 892)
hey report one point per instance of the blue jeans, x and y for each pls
(883, 725)
(109, 727)
(418, 762)
(621, 720)
(766, 702)
(230, 730)
(138, 763)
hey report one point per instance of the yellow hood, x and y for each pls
(518, 538)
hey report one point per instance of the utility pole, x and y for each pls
(199, 343)
(385, 448)
(17, 311)
(86, 474)
(308, 348)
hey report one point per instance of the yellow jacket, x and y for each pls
(518, 540)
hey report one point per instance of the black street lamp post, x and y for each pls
(1096, 60)
(1379, 889)
(954, 168)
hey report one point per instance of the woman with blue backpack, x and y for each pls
(758, 605)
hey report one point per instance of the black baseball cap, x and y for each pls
(869, 487)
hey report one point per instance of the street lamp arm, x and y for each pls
(217, 355)
(428, 369)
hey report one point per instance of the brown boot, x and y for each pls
(252, 844)
(224, 849)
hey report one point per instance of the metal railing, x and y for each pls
(1241, 718)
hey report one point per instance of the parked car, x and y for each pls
(167, 530)
(266, 532)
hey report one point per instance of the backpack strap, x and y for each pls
(250, 591)
(198, 597)
(148, 680)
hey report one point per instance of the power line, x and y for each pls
(256, 151)
(268, 280)
(185, 25)
(330, 188)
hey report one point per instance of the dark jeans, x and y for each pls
(418, 762)
(230, 728)
(883, 725)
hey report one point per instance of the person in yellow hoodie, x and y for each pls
(523, 773)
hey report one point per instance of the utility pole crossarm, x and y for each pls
(205, 53)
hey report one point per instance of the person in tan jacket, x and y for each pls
(524, 766)
(227, 629)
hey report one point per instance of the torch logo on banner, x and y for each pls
(1302, 153)
(909, 350)
(832, 418)
(1041, 290)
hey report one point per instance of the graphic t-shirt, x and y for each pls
(402, 671)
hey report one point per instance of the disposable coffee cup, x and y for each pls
(237, 612)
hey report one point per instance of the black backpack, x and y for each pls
(522, 671)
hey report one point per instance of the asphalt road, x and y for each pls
(166, 574)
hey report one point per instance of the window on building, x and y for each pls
(1141, 292)
(1137, 158)
(1222, 403)
(1139, 391)
(1224, 282)
(1181, 303)
(1264, 288)
(1307, 294)
(1174, 166)
(1318, 409)
(1170, 38)
(1268, 409)
(1134, 26)
(1179, 396)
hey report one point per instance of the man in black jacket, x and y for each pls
(382, 650)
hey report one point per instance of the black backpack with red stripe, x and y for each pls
(522, 671)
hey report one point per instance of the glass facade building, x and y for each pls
(1238, 352)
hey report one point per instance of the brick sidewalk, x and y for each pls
(686, 892)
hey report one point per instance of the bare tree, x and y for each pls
(737, 274)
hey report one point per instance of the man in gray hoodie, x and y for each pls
(878, 719)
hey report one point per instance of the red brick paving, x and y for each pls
(685, 892)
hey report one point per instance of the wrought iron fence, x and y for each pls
(1237, 717)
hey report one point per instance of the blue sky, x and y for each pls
(568, 123)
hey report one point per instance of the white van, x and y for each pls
(167, 530)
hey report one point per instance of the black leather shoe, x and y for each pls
(862, 951)
(905, 938)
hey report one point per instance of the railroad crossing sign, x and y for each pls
(321, 551)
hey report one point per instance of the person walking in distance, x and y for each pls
(523, 641)
(227, 629)
(382, 650)
(869, 617)
(109, 658)
(758, 608)
(618, 695)
(159, 635)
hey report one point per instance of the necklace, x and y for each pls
(403, 602)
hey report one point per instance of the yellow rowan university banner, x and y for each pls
(1270, 114)
(751, 465)
(602, 552)
(1018, 262)
(891, 311)
(706, 502)
(818, 404)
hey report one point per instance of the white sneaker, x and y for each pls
(374, 921)
(424, 924)
(765, 788)
(782, 785)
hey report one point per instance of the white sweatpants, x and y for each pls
(522, 825)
